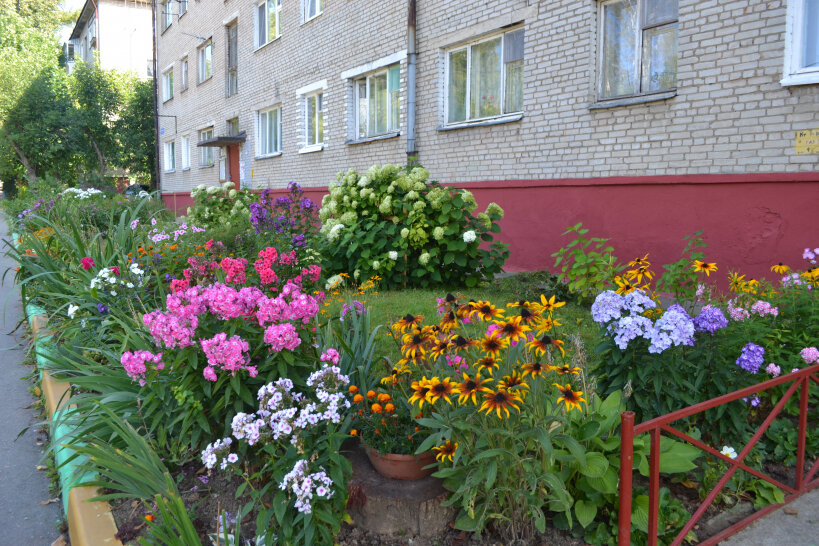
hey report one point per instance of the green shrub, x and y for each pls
(394, 223)
(221, 205)
(589, 267)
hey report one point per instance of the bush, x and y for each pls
(222, 205)
(394, 223)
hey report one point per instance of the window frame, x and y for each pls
(467, 46)
(265, 112)
(305, 6)
(201, 61)
(167, 84)
(264, 25)
(184, 72)
(365, 78)
(318, 96)
(185, 150)
(167, 15)
(183, 7)
(793, 73)
(231, 69)
(169, 157)
(206, 152)
(640, 29)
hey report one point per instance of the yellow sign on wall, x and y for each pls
(807, 141)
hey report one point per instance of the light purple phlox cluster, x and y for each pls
(305, 486)
(763, 308)
(752, 358)
(710, 320)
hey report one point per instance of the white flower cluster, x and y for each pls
(106, 278)
(77, 193)
(470, 236)
(72, 309)
(219, 448)
(305, 486)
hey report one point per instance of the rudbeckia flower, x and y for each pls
(419, 391)
(462, 343)
(640, 262)
(735, 281)
(546, 324)
(515, 383)
(569, 397)
(445, 451)
(703, 267)
(540, 344)
(566, 369)
(512, 329)
(549, 305)
(487, 364)
(534, 368)
(413, 347)
(493, 344)
(408, 321)
(470, 387)
(624, 286)
(439, 389)
(448, 322)
(441, 347)
(500, 400)
(528, 316)
(487, 311)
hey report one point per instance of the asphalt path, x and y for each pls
(24, 520)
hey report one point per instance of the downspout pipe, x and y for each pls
(157, 182)
(412, 151)
(97, 24)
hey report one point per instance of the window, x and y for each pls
(206, 152)
(268, 132)
(485, 79)
(638, 48)
(70, 53)
(268, 24)
(170, 156)
(167, 14)
(183, 7)
(802, 43)
(186, 152)
(184, 70)
(205, 62)
(378, 100)
(232, 59)
(311, 9)
(167, 84)
(314, 119)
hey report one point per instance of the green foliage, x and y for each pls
(351, 332)
(679, 277)
(222, 205)
(135, 128)
(589, 266)
(412, 232)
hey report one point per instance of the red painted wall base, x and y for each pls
(750, 221)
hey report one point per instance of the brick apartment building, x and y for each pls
(645, 119)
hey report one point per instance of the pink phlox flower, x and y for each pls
(134, 363)
(87, 263)
(114, 269)
(763, 308)
(773, 369)
(810, 355)
(330, 355)
(282, 336)
(228, 353)
(234, 270)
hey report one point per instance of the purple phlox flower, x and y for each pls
(607, 306)
(809, 355)
(710, 320)
(103, 309)
(752, 358)
(675, 327)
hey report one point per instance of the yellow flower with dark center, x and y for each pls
(566, 369)
(487, 364)
(408, 321)
(640, 262)
(413, 347)
(624, 286)
(470, 387)
(465, 310)
(533, 368)
(420, 389)
(445, 451)
(515, 382)
(811, 274)
(528, 316)
(546, 324)
(440, 348)
(549, 305)
(751, 286)
(512, 329)
(636, 275)
(569, 397)
(735, 282)
(780, 268)
(440, 389)
(493, 344)
(521, 304)
(703, 267)
(461, 343)
(448, 322)
(500, 400)
(540, 344)
(487, 311)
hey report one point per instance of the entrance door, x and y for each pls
(233, 163)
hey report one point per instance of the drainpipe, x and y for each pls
(156, 180)
(412, 152)
(97, 24)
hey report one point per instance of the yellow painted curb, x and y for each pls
(89, 523)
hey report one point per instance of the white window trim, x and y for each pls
(167, 84)
(184, 72)
(504, 117)
(185, 148)
(167, 15)
(257, 24)
(601, 36)
(202, 164)
(200, 52)
(181, 11)
(259, 154)
(792, 74)
(391, 131)
(171, 156)
(302, 93)
(304, 18)
(309, 89)
(383, 62)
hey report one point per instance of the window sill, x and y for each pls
(367, 140)
(207, 166)
(169, 172)
(482, 122)
(164, 30)
(800, 79)
(628, 101)
(185, 169)
(167, 100)
(312, 148)
(205, 80)
(264, 45)
(268, 156)
(314, 17)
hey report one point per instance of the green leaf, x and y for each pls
(585, 512)
(573, 446)
(639, 513)
(606, 484)
(491, 474)
(596, 465)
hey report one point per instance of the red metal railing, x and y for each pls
(804, 482)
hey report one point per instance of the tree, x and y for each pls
(135, 128)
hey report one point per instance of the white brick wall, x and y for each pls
(730, 114)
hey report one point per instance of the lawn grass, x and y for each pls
(387, 306)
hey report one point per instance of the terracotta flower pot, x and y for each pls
(401, 467)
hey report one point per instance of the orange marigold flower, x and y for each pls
(353, 389)
(358, 398)
(376, 408)
(150, 517)
(384, 397)
(389, 408)
(354, 432)
(371, 395)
